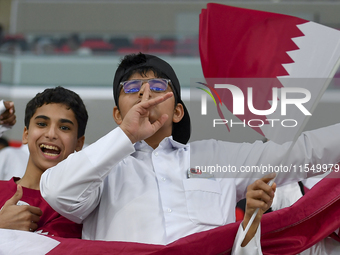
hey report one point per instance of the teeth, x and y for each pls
(49, 154)
(50, 147)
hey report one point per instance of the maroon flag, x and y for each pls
(242, 43)
(287, 231)
(266, 52)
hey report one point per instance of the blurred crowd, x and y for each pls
(97, 44)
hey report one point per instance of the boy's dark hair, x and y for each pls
(133, 63)
(59, 95)
(143, 63)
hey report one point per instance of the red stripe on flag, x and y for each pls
(242, 43)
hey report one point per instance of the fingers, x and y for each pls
(35, 211)
(29, 217)
(152, 102)
(267, 178)
(32, 227)
(146, 102)
(10, 121)
(20, 217)
(8, 117)
(262, 185)
(9, 105)
(259, 199)
(34, 218)
(274, 187)
(146, 92)
(260, 194)
(28, 221)
(16, 197)
(160, 122)
(136, 124)
(32, 209)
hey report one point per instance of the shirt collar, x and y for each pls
(166, 143)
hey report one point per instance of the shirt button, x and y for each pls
(169, 210)
(156, 154)
(163, 179)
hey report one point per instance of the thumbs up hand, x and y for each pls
(19, 217)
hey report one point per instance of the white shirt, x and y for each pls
(13, 162)
(286, 196)
(2, 107)
(132, 193)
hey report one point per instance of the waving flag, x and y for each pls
(287, 231)
(269, 70)
(268, 53)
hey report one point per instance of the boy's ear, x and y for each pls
(178, 113)
(117, 116)
(80, 143)
(25, 136)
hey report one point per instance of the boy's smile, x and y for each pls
(50, 151)
(51, 136)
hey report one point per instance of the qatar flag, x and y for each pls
(279, 64)
(286, 231)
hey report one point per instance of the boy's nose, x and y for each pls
(143, 87)
(51, 133)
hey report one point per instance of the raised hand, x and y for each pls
(259, 195)
(19, 217)
(8, 117)
(136, 123)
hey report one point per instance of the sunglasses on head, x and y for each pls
(156, 85)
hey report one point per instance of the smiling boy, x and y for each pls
(134, 184)
(55, 122)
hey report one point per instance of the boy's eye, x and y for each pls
(41, 124)
(64, 128)
(132, 90)
(157, 89)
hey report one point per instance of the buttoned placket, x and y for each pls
(169, 175)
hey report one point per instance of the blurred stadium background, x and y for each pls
(78, 44)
